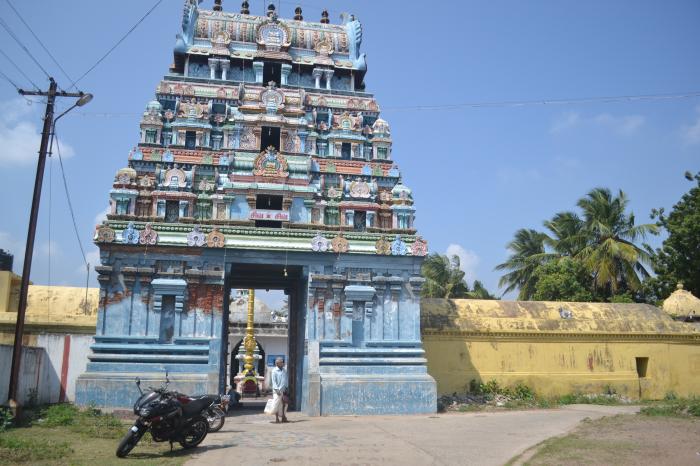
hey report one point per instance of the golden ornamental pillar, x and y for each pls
(249, 342)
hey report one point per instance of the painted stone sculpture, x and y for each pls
(319, 243)
(130, 235)
(398, 247)
(340, 244)
(148, 236)
(196, 237)
(105, 234)
(419, 247)
(215, 239)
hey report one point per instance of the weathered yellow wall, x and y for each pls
(9, 291)
(531, 343)
(555, 368)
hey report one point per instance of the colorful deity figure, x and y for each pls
(130, 235)
(398, 247)
(196, 237)
(319, 243)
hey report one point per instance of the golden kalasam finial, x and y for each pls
(249, 342)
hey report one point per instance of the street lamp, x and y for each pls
(46, 134)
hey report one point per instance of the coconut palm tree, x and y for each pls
(479, 291)
(443, 277)
(528, 252)
(567, 234)
(612, 254)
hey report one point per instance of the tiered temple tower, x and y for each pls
(263, 162)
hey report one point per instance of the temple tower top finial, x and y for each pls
(271, 10)
(245, 8)
(297, 14)
(217, 5)
(324, 17)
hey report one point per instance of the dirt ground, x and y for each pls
(622, 440)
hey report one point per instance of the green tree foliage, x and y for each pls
(602, 241)
(562, 280)
(528, 253)
(444, 279)
(678, 259)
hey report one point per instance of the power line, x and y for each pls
(7, 57)
(70, 204)
(118, 42)
(39, 40)
(9, 80)
(522, 103)
(486, 104)
(19, 42)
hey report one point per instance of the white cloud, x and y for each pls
(691, 133)
(624, 125)
(20, 134)
(565, 121)
(468, 260)
(102, 215)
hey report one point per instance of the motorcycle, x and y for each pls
(216, 410)
(167, 418)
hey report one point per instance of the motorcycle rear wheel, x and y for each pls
(128, 443)
(216, 419)
(194, 433)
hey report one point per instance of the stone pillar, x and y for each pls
(350, 218)
(258, 69)
(212, 67)
(286, 69)
(317, 73)
(329, 75)
(370, 220)
(225, 65)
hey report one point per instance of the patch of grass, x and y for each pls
(22, 450)
(673, 408)
(470, 408)
(580, 398)
(575, 448)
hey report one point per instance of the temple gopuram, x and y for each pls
(262, 163)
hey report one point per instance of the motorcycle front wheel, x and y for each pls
(216, 418)
(128, 442)
(194, 433)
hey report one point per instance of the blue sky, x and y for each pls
(478, 174)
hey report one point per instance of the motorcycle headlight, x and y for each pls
(144, 412)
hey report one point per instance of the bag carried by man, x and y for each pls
(273, 405)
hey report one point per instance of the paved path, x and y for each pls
(443, 439)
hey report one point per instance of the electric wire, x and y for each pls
(117, 43)
(24, 47)
(12, 62)
(39, 41)
(7, 78)
(522, 103)
(486, 104)
(68, 199)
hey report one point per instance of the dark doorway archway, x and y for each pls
(291, 279)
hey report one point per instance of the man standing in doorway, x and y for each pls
(279, 390)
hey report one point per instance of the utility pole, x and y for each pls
(46, 132)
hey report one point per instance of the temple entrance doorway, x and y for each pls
(278, 330)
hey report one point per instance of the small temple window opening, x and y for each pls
(345, 150)
(190, 139)
(381, 153)
(322, 147)
(167, 319)
(367, 151)
(642, 364)
(269, 136)
(268, 202)
(150, 136)
(172, 211)
(122, 207)
(360, 221)
(272, 72)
